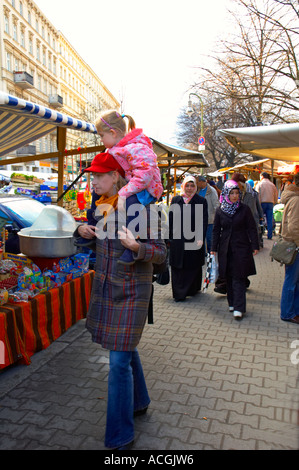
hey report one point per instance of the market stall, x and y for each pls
(31, 326)
(40, 300)
(172, 157)
(277, 143)
(42, 297)
(255, 168)
(44, 290)
(22, 122)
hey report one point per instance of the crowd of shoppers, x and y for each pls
(227, 220)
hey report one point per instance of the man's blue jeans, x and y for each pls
(289, 306)
(127, 392)
(209, 237)
(268, 210)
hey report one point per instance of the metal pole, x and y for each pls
(201, 113)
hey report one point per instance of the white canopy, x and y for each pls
(276, 142)
(182, 156)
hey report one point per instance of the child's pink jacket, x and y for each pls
(136, 156)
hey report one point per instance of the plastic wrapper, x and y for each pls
(81, 261)
(3, 296)
(65, 264)
(18, 296)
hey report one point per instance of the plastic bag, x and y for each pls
(214, 273)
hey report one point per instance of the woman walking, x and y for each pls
(119, 301)
(235, 240)
(186, 264)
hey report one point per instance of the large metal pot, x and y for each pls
(46, 243)
(51, 235)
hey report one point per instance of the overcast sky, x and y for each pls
(144, 51)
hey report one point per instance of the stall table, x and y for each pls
(29, 327)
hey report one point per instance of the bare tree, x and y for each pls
(252, 77)
(276, 25)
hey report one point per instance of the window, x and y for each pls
(22, 39)
(6, 24)
(16, 65)
(13, 3)
(37, 51)
(8, 61)
(29, 17)
(21, 8)
(15, 32)
(36, 26)
(30, 46)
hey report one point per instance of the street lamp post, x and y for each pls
(190, 110)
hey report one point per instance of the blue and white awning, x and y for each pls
(23, 122)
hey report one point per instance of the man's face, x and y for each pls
(202, 184)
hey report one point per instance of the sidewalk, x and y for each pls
(215, 383)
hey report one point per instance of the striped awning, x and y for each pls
(23, 122)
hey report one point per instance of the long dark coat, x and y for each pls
(179, 257)
(120, 294)
(235, 238)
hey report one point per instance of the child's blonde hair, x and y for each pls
(113, 120)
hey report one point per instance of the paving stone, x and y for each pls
(214, 383)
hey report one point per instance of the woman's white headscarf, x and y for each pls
(186, 198)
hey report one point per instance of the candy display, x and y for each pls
(6, 266)
(3, 296)
(9, 282)
(22, 281)
(81, 261)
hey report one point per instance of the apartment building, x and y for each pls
(39, 64)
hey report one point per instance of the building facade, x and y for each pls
(39, 64)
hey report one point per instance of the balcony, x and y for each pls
(23, 80)
(56, 101)
(27, 150)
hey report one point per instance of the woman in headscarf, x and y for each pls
(235, 240)
(188, 220)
